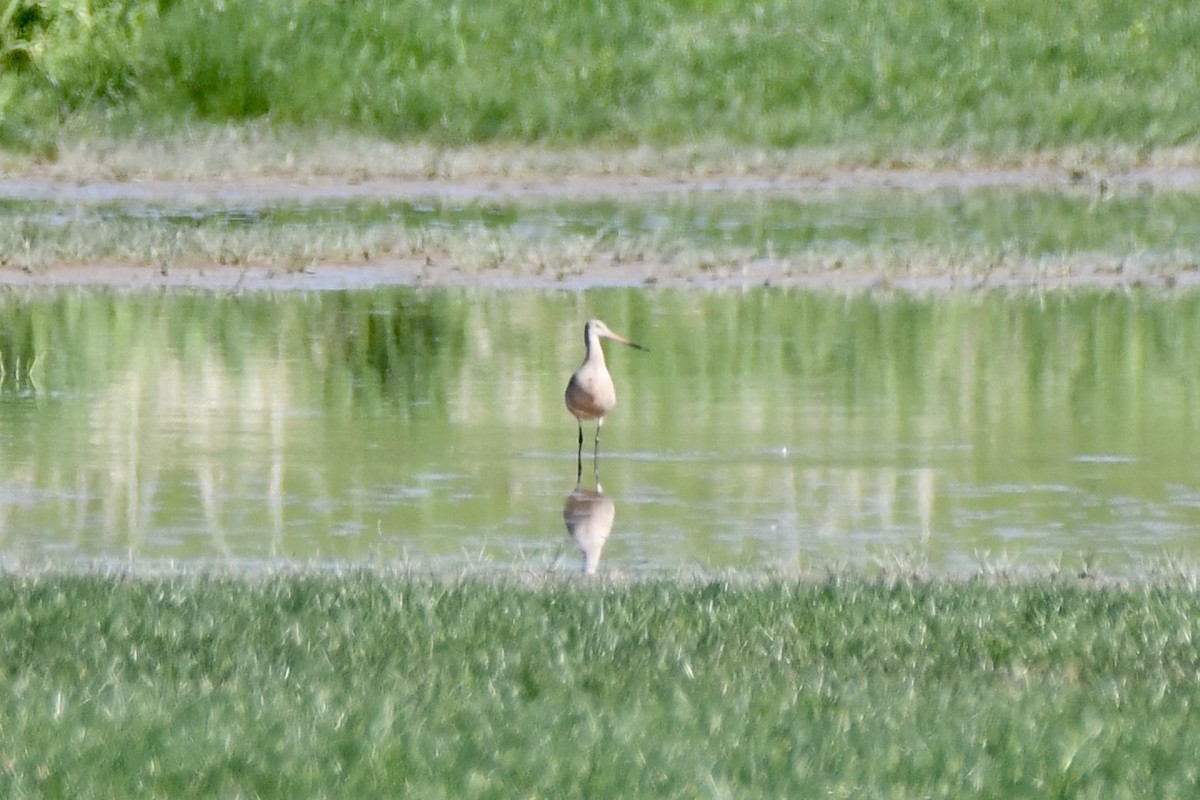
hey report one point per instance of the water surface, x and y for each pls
(764, 430)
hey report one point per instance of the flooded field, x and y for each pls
(765, 429)
(948, 237)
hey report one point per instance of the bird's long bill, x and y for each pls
(626, 342)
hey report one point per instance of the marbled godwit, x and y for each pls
(591, 394)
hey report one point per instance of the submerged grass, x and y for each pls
(367, 684)
(970, 234)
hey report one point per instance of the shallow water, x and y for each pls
(764, 430)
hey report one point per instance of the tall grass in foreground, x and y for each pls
(371, 685)
(868, 78)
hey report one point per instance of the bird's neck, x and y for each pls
(594, 351)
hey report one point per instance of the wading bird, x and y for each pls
(591, 394)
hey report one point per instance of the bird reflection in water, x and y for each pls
(588, 514)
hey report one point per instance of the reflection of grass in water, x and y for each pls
(388, 346)
(888, 232)
(310, 685)
(407, 346)
(182, 390)
(971, 357)
(153, 381)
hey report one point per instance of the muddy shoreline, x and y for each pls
(427, 274)
(328, 188)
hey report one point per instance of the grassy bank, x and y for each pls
(870, 80)
(371, 685)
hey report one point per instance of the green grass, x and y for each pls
(1024, 233)
(869, 79)
(373, 685)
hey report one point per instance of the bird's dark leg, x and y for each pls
(596, 451)
(579, 459)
